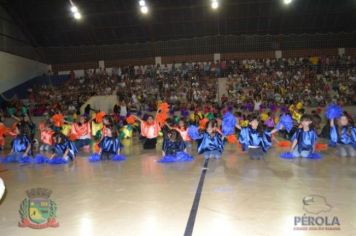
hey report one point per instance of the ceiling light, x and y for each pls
(74, 9)
(77, 16)
(142, 3)
(144, 10)
(215, 4)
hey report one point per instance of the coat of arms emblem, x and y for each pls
(38, 211)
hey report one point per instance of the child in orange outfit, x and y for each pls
(82, 131)
(46, 136)
(3, 132)
(149, 129)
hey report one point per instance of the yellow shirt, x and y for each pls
(95, 127)
(66, 129)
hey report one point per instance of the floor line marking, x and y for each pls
(193, 212)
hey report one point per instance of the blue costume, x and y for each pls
(306, 141)
(252, 138)
(211, 146)
(172, 147)
(109, 150)
(174, 151)
(255, 142)
(345, 141)
(109, 147)
(346, 138)
(60, 148)
(20, 144)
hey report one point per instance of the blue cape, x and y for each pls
(344, 138)
(251, 137)
(306, 140)
(208, 143)
(110, 145)
(172, 147)
(20, 144)
(60, 148)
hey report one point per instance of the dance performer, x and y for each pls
(63, 148)
(149, 130)
(110, 146)
(3, 132)
(46, 135)
(173, 148)
(28, 126)
(82, 131)
(343, 136)
(254, 139)
(182, 129)
(304, 139)
(21, 144)
(210, 141)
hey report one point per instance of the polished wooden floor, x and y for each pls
(142, 197)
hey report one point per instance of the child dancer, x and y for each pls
(97, 127)
(304, 139)
(182, 129)
(254, 139)
(20, 146)
(3, 132)
(110, 145)
(210, 142)
(27, 125)
(149, 130)
(63, 148)
(173, 148)
(46, 136)
(172, 143)
(343, 136)
(82, 131)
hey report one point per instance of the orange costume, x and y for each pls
(81, 131)
(47, 136)
(150, 131)
(3, 131)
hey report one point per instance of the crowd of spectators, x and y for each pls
(315, 81)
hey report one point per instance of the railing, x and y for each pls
(200, 46)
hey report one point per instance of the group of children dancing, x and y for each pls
(61, 138)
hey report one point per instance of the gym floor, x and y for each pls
(232, 196)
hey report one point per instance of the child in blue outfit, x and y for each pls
(63, 148)
(304, 139)
(173, 148)
(172, 143)
(110, 145)
(343, 137)
(254, 139)
(21, 145)
(210, 141)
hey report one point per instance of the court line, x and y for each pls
(193, 212)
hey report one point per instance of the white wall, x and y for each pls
(102, 103)
(15, 70)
